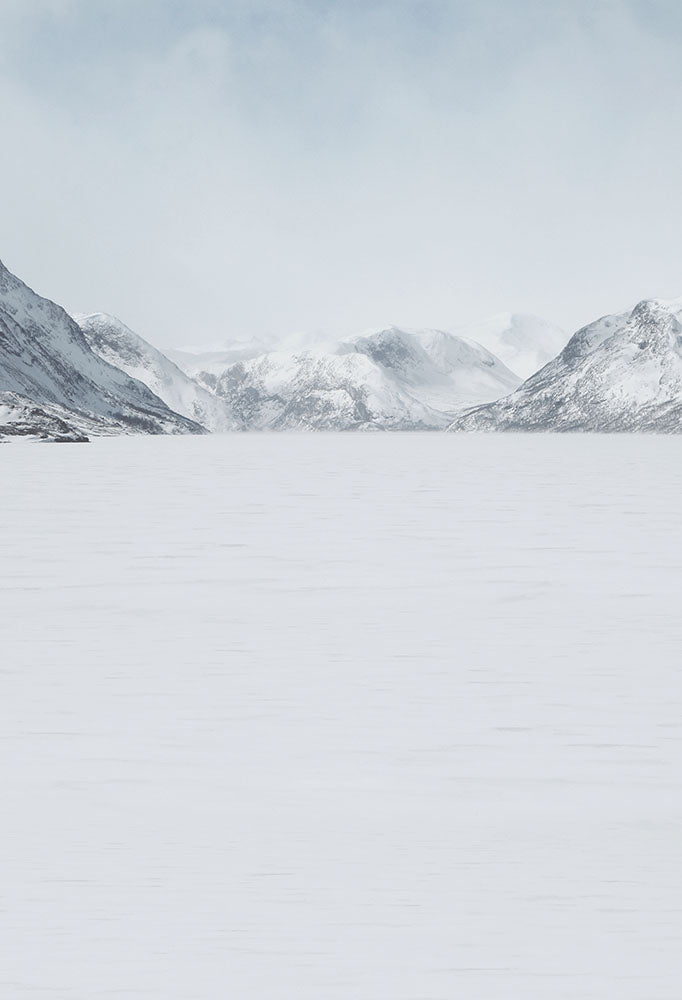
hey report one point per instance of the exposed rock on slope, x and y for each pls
(441, 370)
(65, 379)
(318, 392)
(19, 417)
(113, 341)
(45, 360)
(621, 373)
(388, 380)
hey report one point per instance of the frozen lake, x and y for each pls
(383, 717)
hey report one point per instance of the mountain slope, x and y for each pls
(389, 379)
(523, 343)
(318, 392)
(113, 341)
(621, 373)
(45, 360)
(443, 371)
(19, 417)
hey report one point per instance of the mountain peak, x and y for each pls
(118, 345)
(620, 373)
(46, 362)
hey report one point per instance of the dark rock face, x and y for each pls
(622, 373)
(319, 392)
(45, 360)
(20, 418)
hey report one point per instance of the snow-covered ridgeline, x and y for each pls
(389, 379)
(45, 362)
(117, 344)
(620, 373)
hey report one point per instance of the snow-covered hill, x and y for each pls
(443, 371)
(390, 379)
(318, 392)
(69, 378)
(113, 341)
(621, 373)
(524, 343)
(46, 365)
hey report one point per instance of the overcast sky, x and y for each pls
(212, 169)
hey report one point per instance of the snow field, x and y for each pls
(392, 717)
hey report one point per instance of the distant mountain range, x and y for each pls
(387, 380)
(67, 378)
(64, 378)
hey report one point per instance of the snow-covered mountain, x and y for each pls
(64, 378)
(621, 373)
(318, 392)
(524, 343)
(390, 379)
(113, 341)
(443, 371)
(48, 375)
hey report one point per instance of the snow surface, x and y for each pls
(319, 717)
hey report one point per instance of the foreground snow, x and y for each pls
(377, 717)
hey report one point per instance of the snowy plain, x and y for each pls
(321, 717)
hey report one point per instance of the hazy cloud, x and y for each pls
(210, 169)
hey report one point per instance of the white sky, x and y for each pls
(217, 169)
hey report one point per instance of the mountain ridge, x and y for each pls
(120, 346)
(390, 379)
(46, 361)
(622, 373)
